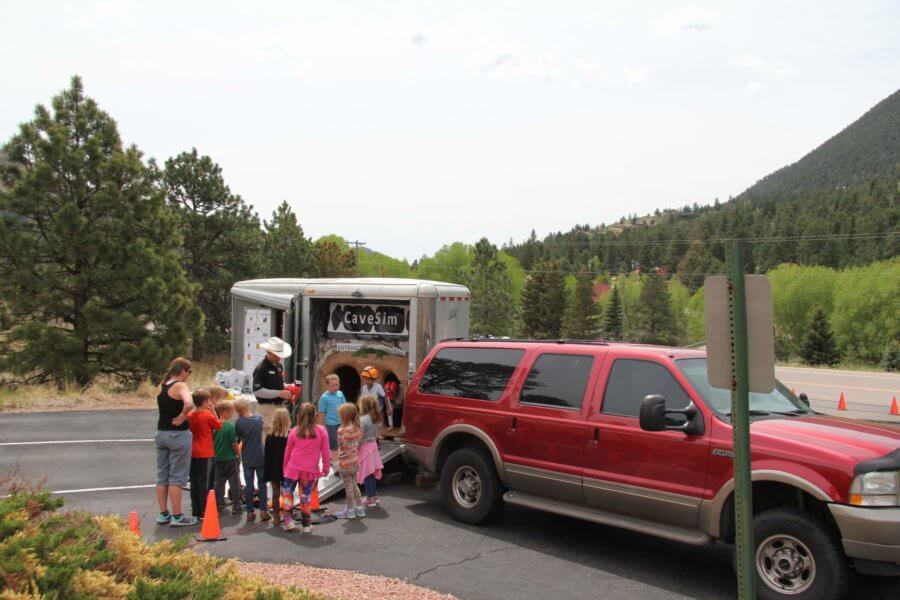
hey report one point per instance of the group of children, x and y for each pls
(288, 459)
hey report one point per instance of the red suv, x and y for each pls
(634, 436)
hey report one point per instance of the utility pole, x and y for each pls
(357, 243)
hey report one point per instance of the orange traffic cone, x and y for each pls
(314, 500)
(894, 410)
(134, 523)
(210, 530)
(842, 404)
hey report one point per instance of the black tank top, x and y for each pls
(169, 409)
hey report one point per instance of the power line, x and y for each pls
(754, 240)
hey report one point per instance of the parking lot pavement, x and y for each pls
(524, 554)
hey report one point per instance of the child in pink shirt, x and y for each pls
(306, 452)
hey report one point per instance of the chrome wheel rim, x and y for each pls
(466, 486)
(785, 564)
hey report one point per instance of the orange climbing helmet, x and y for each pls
(370, 372)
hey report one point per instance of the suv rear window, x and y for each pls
(557, 380)
(478, 373)
(631, 380)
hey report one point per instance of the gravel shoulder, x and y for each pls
(346, 585)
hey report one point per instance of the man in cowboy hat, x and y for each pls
(268, 380)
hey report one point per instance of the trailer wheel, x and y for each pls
(470, 486)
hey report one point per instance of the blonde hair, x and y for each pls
(349, 415)
(306, 420)
(176, 367)
(217, 392)
(332, 377)
(200, 396)
(225, 407)
(281, 423)
(242, 405)
(368, 405)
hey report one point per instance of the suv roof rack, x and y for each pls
(529, 341)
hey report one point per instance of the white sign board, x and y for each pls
(760, 332)
(257, 329)
(368, 319)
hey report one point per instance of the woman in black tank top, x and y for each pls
(173, 443)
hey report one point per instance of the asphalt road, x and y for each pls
(526, 554)
(867, 395)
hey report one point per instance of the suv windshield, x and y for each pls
(778, 401)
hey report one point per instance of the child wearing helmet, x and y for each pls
(371, 386)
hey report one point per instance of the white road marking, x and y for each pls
(49, 443)
(105, 489)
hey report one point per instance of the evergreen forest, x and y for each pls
(112, 263)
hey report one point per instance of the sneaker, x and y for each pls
(236, 510)
(251, 515)
(373, 501)
(163, 518)
(183, 521)
(265, 515)
(361, 512)
(347, 513)
(289, 525)
(307, 529)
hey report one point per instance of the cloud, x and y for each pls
(636, 75)
(754, 88)
(773, 70)
(499, 61)
(419, 39)
(693, 20)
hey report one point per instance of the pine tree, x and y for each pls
(288, 252)
(579, 322)
(654, 321)
(492, 310)
(333, 260)
(697, 263)
(612, 317)
(543, 301)
(819, 347)
(88, 252)
(222, 239)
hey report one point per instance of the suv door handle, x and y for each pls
(511, 425)
(595, 437)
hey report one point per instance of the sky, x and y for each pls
(410, 125)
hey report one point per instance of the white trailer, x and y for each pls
(342, 325)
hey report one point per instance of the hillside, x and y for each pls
(847, 187)
(866, 149)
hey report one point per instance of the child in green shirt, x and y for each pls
(225, 443)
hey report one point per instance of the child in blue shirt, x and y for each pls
(329, 403)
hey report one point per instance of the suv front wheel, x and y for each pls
(797, 557)
(470, 486)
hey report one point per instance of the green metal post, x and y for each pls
(740, 423)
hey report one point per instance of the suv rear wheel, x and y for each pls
(470, 486)
(797, 557)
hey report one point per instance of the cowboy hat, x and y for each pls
(277, 346)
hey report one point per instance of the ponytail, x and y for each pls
(176, 367)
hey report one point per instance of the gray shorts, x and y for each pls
(173, 457)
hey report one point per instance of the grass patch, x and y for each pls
(50, 554)
(104, 392)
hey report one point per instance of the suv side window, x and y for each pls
(557, 380)
(631, 380)
(478, 373)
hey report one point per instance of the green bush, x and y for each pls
(75, 555)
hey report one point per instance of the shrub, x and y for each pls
(54, 555)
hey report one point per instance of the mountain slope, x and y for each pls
(848, 186)
(866, 149)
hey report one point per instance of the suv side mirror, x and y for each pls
(653, 416)
(804, 399)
